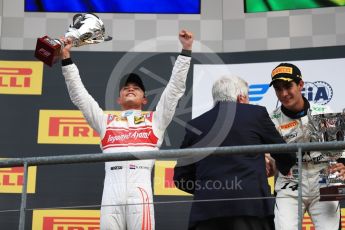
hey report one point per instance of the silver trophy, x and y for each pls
(85, 29)
(325, 128)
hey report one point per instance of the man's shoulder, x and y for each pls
(258, 107)
(253, 108)
(250, 113)
(239, 108)
(204, 118)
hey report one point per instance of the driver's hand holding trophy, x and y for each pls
(86, 29)
(325, 128)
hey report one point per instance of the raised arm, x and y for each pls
(176, 86)
(79, 95)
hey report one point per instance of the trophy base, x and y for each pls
(332, 193)
(47, 50)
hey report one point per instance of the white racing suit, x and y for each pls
(326, 214)
(127, 194)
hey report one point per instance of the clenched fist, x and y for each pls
(186, 39)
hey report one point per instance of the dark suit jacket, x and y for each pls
(228, 177)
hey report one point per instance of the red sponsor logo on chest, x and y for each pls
(121, 137)
(289, 125)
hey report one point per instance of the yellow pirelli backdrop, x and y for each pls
(89, 220)
(65, 219)
(21, 77)
(308, 224)
(65, 127)
(11, 180)
(164, 179)
(164, 182)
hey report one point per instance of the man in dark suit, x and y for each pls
(229, 180)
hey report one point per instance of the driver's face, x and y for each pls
(131, 97)
(289, 93)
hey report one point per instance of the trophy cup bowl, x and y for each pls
(86, 29)
(325, 128)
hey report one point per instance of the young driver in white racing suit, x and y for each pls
(291, 119)
(127, 194)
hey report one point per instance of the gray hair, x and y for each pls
(228, 88)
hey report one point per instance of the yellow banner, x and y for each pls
(11, 180)
(164, 183)
(21, 77)
(89, 219)
(65, 127)
(65, 219)
(308, 223)
(164, 179)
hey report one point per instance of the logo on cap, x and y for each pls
(281, 69)
(286, 72)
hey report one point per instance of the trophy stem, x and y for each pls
(59, 42)
(331, 162)
(75, 42)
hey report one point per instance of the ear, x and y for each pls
(239, 98)
(242, 99)
(144, 102)
(301, 84)
(118, 100)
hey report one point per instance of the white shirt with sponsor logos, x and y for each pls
(325, 215)
(159, 119)
(129, 182)
(294, 130)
